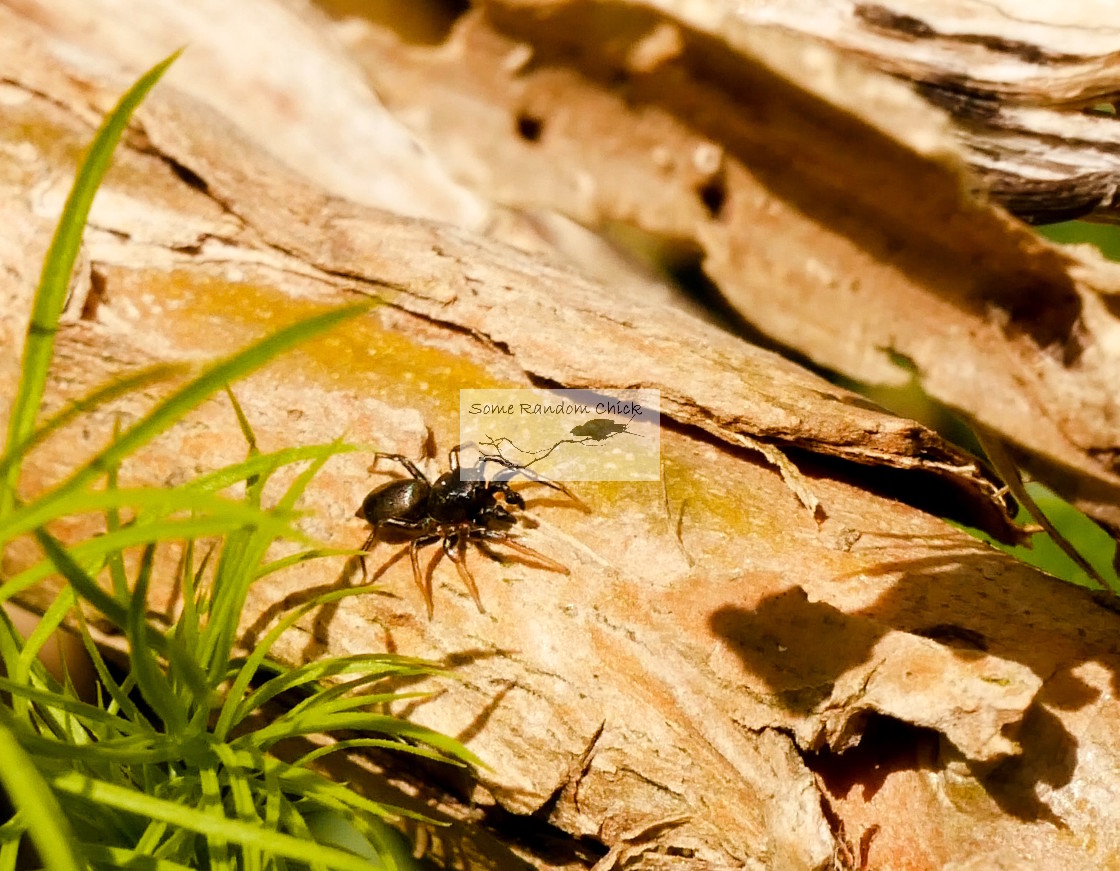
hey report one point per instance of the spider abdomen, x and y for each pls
(396, 500)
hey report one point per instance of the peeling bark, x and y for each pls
(725, 679)
(836, 211)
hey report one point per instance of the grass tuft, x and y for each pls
(170, 767)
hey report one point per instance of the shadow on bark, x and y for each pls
(801, 648)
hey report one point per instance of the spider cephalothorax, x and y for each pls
(454, 510)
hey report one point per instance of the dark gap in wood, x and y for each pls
(529, 127)
(95, 297)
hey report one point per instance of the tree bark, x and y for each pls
(780, 655)
(843, 217)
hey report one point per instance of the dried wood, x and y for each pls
(830, 205)
(1030, 86)
(724, 680)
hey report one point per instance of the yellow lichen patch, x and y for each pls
(719, 503)
(363, 354)
(24, 125)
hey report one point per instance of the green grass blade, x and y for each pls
(125, 385)
(129, 860)
(91, 714)
(88, 589)
(264, 464)
(205, 823)
(254, 485)
(240, 791)
(323, 705)
(121, 703)
(212, 378)
(9, 846)
(11, 642)
(155, 503)
(237, 575)
(96, 550)
(325, 792)
(233, 710)
(131, 751)
(216, 841)
(273, 800)
(312, 672)
(117, 573)
(361, 743)
(30, 794)
(305, 556)
(154, 840)
(236, 572)
(243, 422)
(42, 633)
(344, 696)
(13, 828)
(150, 679)
(186, 627)
(294, 823)
(385, 724)
(316, 788)
(295, 490)
(54, 280)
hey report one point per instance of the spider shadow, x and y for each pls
(325, 614)
(318, 643)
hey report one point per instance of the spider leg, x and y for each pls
(508, 540)
(367, 546)
(413, 469)
(456, 549)
(372, 538)
(425, 586)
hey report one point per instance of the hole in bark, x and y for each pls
(887, 745)
(882, 18)
(923, 489)
(713, 194)
(1107, 457)
(189, 176)
(529, 127)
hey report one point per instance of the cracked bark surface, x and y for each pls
(725, 679)
(842, 216)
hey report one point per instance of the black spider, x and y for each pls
(454, 511)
